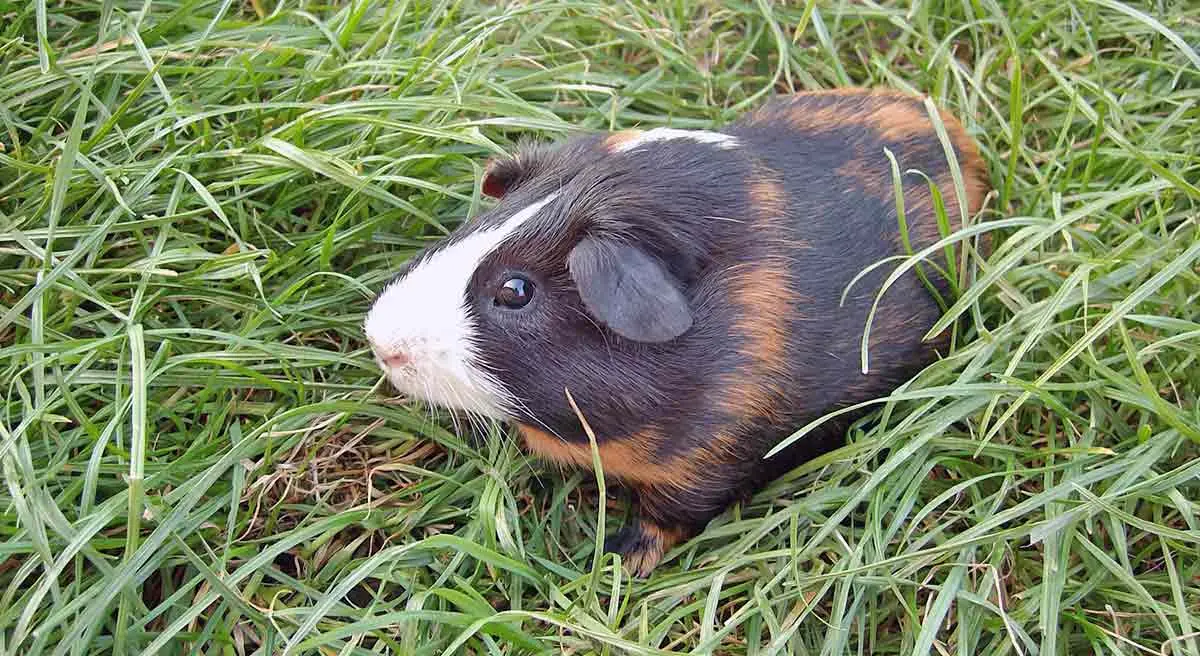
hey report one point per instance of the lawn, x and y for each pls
(198, 199)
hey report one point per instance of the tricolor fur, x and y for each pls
(686, 292)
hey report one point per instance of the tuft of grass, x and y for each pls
(199, 197)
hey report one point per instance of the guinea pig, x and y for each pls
(685, 287)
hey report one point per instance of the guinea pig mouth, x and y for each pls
(403, 382)
(399, 369)
(447, 387)
(406, 382)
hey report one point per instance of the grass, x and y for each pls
(198, 198)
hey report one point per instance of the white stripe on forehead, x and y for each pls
(424, 315)
(723, 141)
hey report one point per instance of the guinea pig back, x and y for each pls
(686, 287)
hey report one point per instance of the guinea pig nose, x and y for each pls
(392, 356)
(395, 357)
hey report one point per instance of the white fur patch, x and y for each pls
(719, 140)
(424, 315)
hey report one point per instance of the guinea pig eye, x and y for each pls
(515, 293)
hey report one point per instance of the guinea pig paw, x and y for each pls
(641, 546)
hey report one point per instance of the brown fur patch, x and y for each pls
(918, 202)
(763, 289)
(870, 175)
(633, 458)
(896, 115)
(975, 181)
(614, 140)
(724, 446)
(892, 115)
(769, 199)
(972, 167)
(657, 541)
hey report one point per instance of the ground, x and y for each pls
(199, 198)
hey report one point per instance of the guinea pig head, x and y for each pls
(577, 280)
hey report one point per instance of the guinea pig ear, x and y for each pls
(499, 177)
(629, 290)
